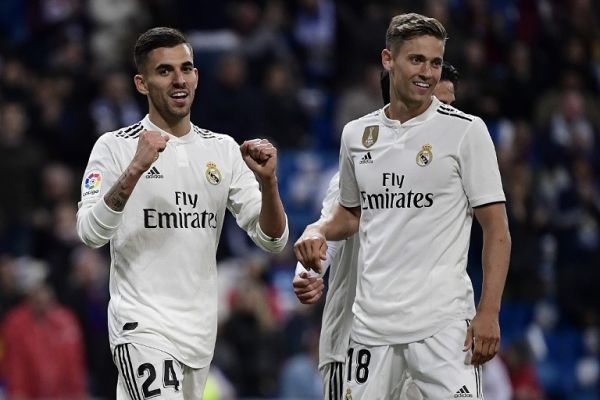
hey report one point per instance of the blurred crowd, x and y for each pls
(295, 72)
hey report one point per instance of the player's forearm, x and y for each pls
(272, 215)
(341, 224)
(495, 259)
(97, 223)
(119, 193)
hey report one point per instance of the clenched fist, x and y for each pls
(150, 145)
(260, 156)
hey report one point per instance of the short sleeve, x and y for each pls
(479, 166)
(349, 193)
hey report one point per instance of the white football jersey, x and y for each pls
(416, 184)
(163, 245)
(342, 257)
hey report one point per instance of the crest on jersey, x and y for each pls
(213, 175)
(425, 156)
(370, 135)
(348, 395)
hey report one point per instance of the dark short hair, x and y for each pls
(154, 38)
(408, 26)
(450, 73)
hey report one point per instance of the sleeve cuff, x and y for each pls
(106, 217)
(271, 243)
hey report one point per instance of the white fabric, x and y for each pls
(163, 245)
(332, 376)
(434, 368)
(415, 219)
(337, 313)
(135, 362)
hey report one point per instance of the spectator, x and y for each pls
(43, 343)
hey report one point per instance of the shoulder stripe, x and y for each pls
(135, 133)
(204, 133)
(132, 127)
(130, 131)
(447, 107)
(454, 115)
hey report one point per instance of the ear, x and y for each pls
(197, 77)
(140, 84)
(387, 60)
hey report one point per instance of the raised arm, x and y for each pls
(99, 217)
(261, 157)
(150, 144)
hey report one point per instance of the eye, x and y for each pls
(163, 71)
(437, 64)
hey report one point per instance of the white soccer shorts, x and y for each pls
(145, 372)
(437, 365)
(332, 375)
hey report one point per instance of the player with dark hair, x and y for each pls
(158, 191)
(412, 176)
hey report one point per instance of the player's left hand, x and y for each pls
(261, 157)
(308, 289)
(310, 249)
(483, 337)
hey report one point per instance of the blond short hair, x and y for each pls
(408, 26)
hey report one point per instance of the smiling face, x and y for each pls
(415, 68)
(169, 80)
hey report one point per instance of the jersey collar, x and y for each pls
(187, 138)
(419, 119)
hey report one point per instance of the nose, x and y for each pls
(179, 78)
(426, 69)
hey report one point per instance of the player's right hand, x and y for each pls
(308, 289)
(150, 145)
(310, 249)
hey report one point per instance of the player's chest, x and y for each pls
(415, 160)
(186, 178)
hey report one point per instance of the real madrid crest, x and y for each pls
(370, 135)
(348, 395)
(425, 156)
(213, 175)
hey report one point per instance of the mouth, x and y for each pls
(422, 85)
(179, 96)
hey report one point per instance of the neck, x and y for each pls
(175, 126)
(402, 112)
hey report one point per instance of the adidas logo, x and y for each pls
(462, 392)
(154, 174)
(366, 159)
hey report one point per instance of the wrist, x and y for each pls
(269, 182)
(487, 309)
(135, 169)
(313, 230)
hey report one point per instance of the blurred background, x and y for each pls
(295, 71)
